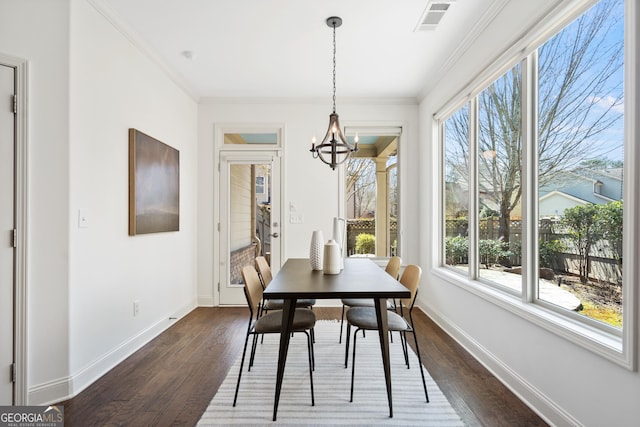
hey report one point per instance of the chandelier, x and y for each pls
(334, 148)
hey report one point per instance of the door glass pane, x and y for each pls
(499, 181)
(249, 216)
(361, 206)
(581, 161)
(456, 189)
(393, 205)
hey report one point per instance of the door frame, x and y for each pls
(242, 152)
(21, 214)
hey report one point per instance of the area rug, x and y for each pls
(332, 384)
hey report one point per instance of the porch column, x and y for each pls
(382, 208)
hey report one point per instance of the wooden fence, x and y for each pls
(603, 264)
(356, 227)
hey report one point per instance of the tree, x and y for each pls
(611, 224)
(579, 92)
(584, 229)
(601, 163)
(361, 185)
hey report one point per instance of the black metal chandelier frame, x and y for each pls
(334, 148)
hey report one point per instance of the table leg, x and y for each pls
(383, 330)
(288, 312)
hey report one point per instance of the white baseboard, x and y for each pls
(66, 388)
(206, 301)
(546, 408)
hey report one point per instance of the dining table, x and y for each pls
(360, 278)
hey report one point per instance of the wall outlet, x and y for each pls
(83, 219)
(136, 308)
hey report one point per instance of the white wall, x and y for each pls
(115, 87)
(81, 283)
(308, 182)
(39, 32)
(565, 383)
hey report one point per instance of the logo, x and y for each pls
(32, 416)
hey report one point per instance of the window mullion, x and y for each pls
(472, 216)
(529, 178)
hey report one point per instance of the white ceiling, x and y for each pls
(283, 48)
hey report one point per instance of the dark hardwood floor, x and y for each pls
(171, 380)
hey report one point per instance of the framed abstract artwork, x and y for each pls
(154, 185)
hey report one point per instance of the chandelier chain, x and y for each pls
(334, 68)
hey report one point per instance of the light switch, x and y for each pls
(296, 218)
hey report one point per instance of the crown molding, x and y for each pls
(212, 100)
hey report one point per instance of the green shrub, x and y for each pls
(492, 251)
(457, 250)
(365, 243)
(549, 252)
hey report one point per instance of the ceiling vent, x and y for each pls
(433, 14)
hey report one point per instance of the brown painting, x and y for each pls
(154, 185)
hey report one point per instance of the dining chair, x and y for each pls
(265, 278)
(393, 269)
(270, 323)
(364, 318)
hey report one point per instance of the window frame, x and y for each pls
(616, 345)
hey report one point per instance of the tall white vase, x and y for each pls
(339, 230)
(331, 257)
(316, 250)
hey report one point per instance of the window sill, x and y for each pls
(606, 344)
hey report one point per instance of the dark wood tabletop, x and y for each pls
(360, 278)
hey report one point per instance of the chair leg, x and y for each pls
(346, 349)
(313, 352)
(244, 352)
(253, 350)
(405, 347)
(341, 323)
(311, 366)
(353, 362)
(424, 382)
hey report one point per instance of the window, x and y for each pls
(259, 184)
(252, 139)
(499, 184)
(581, 159)
(456, 189)
(563, 176)
(372, 196)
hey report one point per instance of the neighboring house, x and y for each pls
(579, 187)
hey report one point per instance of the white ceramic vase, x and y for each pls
(339, 230)
(316, 250)
(331, 257)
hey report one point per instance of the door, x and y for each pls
(249, 217)
(7, 225)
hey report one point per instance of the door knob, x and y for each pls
(275, 235)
